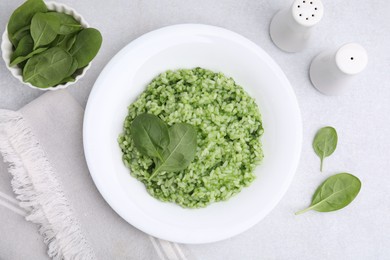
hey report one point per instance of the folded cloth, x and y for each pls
(41, 146)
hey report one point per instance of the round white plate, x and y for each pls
(189, 46)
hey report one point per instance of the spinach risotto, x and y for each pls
(228, 130)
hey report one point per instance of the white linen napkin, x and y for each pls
(42, 148)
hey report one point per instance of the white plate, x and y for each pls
(189, 46)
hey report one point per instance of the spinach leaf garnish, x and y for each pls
(150, 135)
(334, 193)
(180, 151)
(172, 149)
(325, 143)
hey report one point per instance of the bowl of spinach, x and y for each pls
(48, 45)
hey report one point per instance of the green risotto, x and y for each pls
(228, 126)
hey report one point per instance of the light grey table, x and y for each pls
(362, 117)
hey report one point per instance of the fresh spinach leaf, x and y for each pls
(66, 80)
(67, 41)
(86, 46)
(56, 41)
(47, 68)
(180, 151)
(172, 149)
(69, 75)
(67, 23)
(334, 193)
(150, 135)
(24, 47)
(72, 68)
(22, 32)
(22, 16)
(325, 143)
(20, 59)
(44, 29)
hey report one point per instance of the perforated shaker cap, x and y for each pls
(307, 12)
(351, 58)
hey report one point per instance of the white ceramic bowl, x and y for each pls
(6, 47)
(189, 46)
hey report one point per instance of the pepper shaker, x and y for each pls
(332, 72)
(290, 28)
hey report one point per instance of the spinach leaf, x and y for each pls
(86, 46)
(26, 57)
(67, 23)
(67, 41)
(180, 151)
(334, 193)
(72, 69)
(47, 68)
(172, 149)
(325, 143)
(22, 16)
(66, 80)
(44, 29)
(24, 47)
(56, 41)
(22, 32)
(150, 135)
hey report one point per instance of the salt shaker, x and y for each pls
(290, 28)
(332, 72)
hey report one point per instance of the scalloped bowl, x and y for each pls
(7, 50)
